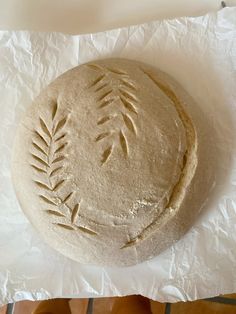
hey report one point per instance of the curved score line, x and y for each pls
(189, 167)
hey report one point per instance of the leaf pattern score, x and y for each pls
(48, 157)
(115, 101)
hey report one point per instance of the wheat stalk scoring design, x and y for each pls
(50, 141)
(48, 156)
(120, 94)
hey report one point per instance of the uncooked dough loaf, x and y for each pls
(104, 161)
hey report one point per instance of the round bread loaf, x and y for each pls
(105, 161)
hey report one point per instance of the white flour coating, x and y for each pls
(103, 162)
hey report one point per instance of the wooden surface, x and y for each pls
(202, 307)
(3, 310)
(77, 306)
(130, 305)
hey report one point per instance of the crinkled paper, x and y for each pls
(198, 52)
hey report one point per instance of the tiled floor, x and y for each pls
(3, 310)
(202, 307)
(219, 305)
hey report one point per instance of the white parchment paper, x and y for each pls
(201, 54)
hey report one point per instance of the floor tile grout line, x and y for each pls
(90, 306)
(221, 300)
(10, 308)
(168, 308)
